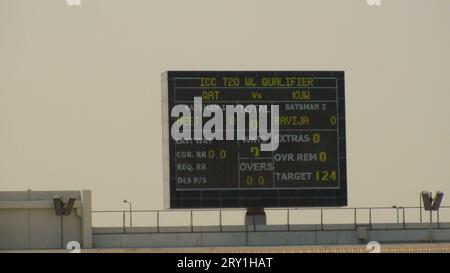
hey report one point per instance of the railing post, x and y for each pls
(192, 221)
(123, 222)
(157, 221)
(404, 220)
(220, 220)
(321, 219)
(288, 221)
(354, 216)
(246, 234)
(370, 218)
(431, 225)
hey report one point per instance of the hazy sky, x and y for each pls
(80, 88)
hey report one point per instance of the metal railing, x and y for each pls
(310, 219)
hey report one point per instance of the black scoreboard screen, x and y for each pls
(245, 139)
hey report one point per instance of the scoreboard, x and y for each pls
(306, 168)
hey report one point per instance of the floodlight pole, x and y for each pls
(398, 215)
(131, 215)
(437, 219)
(398, 218)
(62, 231)
(63, 208)
(431, 226)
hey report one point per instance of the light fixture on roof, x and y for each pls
(63, 209)
(432, 204)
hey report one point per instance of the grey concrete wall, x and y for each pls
(147, 237)
(28, 220)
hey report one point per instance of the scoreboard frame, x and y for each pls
(244, 198)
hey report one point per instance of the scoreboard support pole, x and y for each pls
(255, 216)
